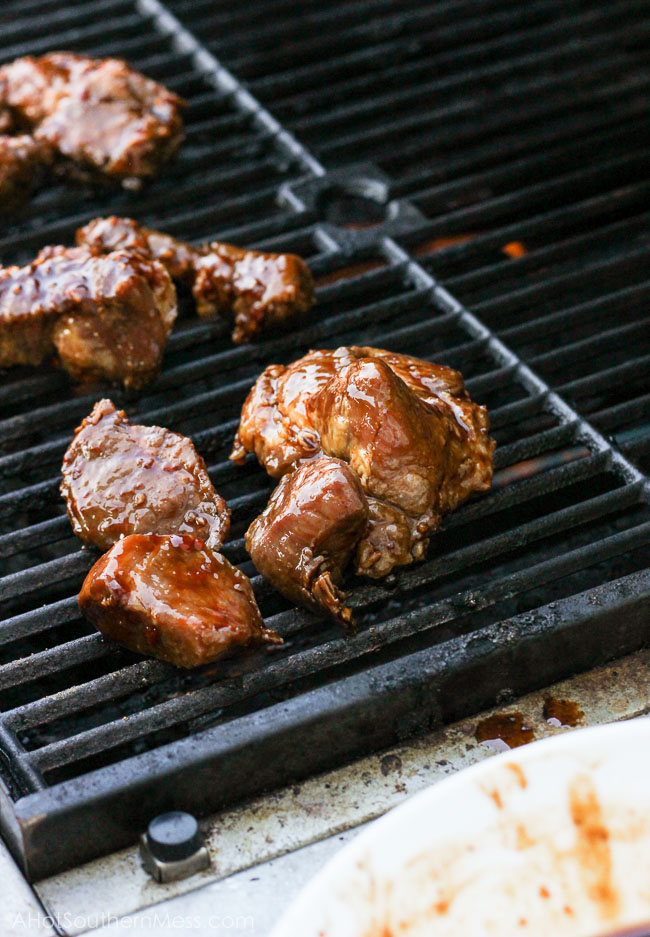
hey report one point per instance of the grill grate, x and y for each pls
(508, 158)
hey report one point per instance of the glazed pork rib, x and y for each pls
(172, 598)
(107, 317)
(120, 478)
(257, 291)
(98, 114)
(407, 429)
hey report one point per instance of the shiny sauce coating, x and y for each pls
(172, 597)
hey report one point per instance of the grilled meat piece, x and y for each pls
(262, 291)
(29, 307)
(98, 113)
(259, 291)
(118, 327)
(103, 235)
(172, 598)
(107, 317)
(120, 478)
(308, 532)
(276, 422)
(416, 460)
(22, 161)
(408, 429)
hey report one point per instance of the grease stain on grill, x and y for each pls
(562, 713)
(503, 731)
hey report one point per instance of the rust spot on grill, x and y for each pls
(503, 731)
(592, 845)
(563, 713)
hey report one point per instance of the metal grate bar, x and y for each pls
(419, 99)
(42, 619)
(69, 654)
(604, 342)
(636, 367)
(222, 79)
(556, 159)
(580, 184)
(488, 70)
(90, 647)
(516, 33)
(630, 410)
(601, 272)
(22, 773)
(19, 583)
(572, 323)
(50, 20)
(214, 697)
(462, 130)
(534, 382)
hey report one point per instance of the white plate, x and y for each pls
(550, 839)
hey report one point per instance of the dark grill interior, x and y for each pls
(505, 145)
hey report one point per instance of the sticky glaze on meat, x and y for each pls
(275, 423)
(22, 161)
(258, 291)
(308, 532)
(120, 478)
(108, 317)
(407, 428)
(172, 598)
(96, 113)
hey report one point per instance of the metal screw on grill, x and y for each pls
(173, 848)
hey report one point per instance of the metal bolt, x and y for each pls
(173, 848)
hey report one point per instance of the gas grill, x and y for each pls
(469, 183)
